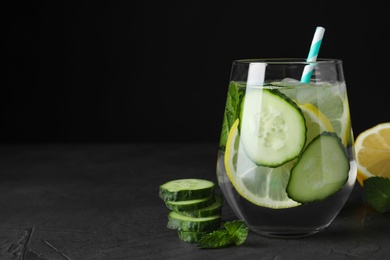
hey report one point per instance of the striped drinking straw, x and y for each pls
(314, 49)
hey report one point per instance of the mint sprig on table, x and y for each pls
(235, 233)
(376, 192)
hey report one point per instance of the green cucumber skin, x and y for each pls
(193, 225)
(201, 203)
(299, 192)
(265, 160)
(213, 209)
(186, 193)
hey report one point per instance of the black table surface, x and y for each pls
(100, 201)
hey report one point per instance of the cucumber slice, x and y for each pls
(186, 189)
(189, 204)
(273, 128)
(191, 237)
(213, 209)
(180, 222)
(320, 171)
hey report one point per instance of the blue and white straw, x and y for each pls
(313, 53)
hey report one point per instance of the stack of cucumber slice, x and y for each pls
(195, 208)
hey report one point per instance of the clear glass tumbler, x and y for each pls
(286, 163)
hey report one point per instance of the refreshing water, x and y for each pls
(257, 193)
(299, 221)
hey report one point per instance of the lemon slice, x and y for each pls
(263, 186)
(332, 101)
(316, 122)
(372, 148)
(336, 110)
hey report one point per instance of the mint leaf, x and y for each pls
(215, 239)
(376, 192)
(238, 230)
(235, 232)
(232, 110)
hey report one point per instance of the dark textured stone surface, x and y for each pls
(100, 201)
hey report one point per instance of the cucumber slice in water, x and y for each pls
(189, 204)
(180, 222)
(186, 189)
(320, 171)
(273, 129)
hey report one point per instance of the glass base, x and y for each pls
(285, 232)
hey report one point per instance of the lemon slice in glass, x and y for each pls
(332, 101)
(316, 122)
(263, 186)
(336, 109)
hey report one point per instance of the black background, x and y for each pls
(126, 71)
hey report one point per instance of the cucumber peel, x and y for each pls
(186, 189)
(213, 209)
(180, 222)
(188, 205)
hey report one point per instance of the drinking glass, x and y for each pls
(286, 163)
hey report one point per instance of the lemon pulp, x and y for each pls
(372, 148)
(332, 101)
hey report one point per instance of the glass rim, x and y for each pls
(289, 61)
